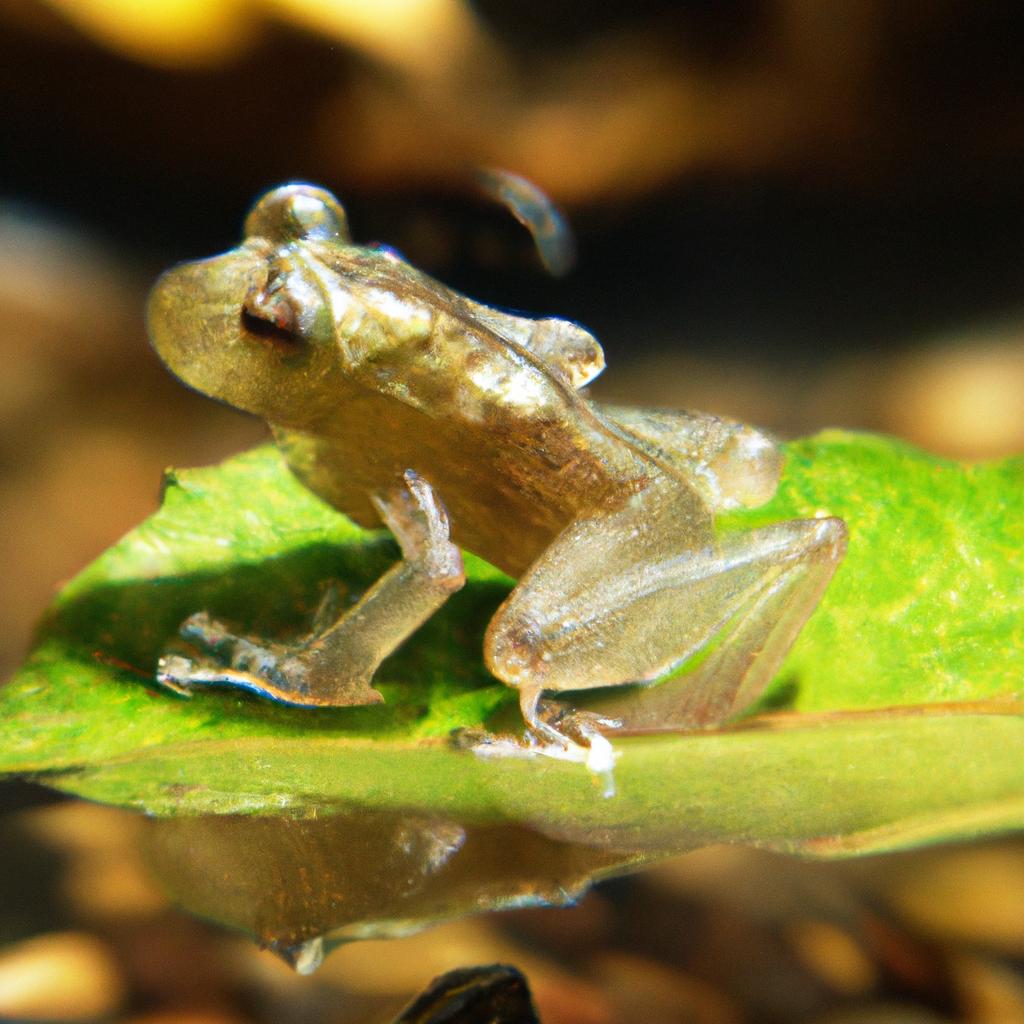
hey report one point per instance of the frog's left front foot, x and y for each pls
(268, 668)
(334, 665)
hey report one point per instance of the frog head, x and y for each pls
(253, 326)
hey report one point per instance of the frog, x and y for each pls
(407, 405)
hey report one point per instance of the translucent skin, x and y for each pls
(402, 402)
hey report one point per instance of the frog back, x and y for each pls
(731, 464)
(483, 404)
(402, 334)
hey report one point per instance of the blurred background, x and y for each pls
(797, 213)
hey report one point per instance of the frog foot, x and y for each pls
(553, 722)
(217, 657)
(569, 734)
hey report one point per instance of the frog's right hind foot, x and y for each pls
(570, 734)
(551, 722)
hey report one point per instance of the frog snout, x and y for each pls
(167, 321)
(194, 320)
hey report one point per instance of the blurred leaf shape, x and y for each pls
(895, 721)
(405, 34)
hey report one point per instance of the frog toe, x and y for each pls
(175, 672)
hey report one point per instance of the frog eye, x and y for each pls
(272, 317)
(294, 212)
(286, 308)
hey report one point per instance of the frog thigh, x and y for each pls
(565, 347)
(587, 615)
(732, 464)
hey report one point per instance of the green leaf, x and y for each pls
(927, 606)
(895, 720)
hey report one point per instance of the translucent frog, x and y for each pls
(401, 402)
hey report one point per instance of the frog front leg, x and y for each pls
(627, 597)
(333, 667)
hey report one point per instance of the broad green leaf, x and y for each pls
(895, 720)
(927, 606)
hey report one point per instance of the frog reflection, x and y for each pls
(303, 885)
(403, 403)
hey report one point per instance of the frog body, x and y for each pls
(403, 403)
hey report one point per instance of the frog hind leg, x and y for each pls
(631, 596)
(752, 644)
(334, 666)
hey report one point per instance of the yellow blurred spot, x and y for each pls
(104, 876)
(833, 955)
(175, 33)
(423, 37)
(961, 399)
(971, 895)
(60, 976)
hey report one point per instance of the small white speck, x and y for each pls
(309, 956)
(600, 756)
